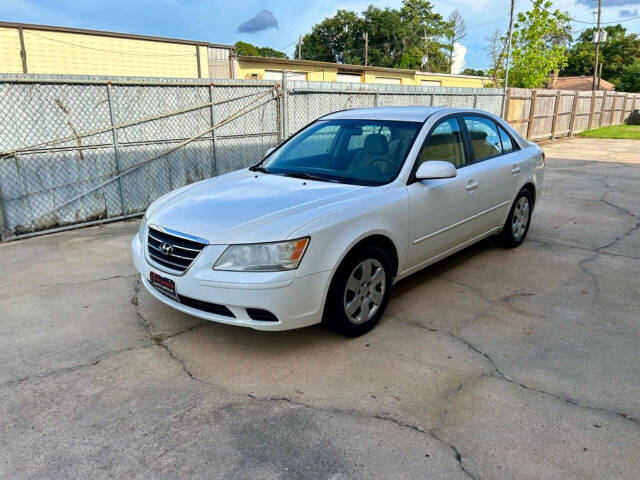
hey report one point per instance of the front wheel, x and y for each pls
(359, 292)
(517, 225)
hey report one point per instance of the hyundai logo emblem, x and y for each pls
(166, 248)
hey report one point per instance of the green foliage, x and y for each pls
(396, 37)
(629, 79)
(271, 52)
(618, 54)
(539, 45)
(474, 72)
(244, 48)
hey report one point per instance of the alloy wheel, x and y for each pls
(364, 291)
(520, 218)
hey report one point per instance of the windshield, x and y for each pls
(361, 152)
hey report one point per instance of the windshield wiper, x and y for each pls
(258, 168)
(308, 176)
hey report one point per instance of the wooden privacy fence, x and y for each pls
(548, 114)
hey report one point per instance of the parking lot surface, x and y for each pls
(491, 364)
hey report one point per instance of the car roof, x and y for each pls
(405, 114)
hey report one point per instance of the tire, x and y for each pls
(356, 300)
(515, 230)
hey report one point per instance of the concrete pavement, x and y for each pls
(491, 364)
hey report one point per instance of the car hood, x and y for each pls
(249, 207)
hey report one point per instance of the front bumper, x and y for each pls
(295, 301)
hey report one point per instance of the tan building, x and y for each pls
(26, 48)
(578, 83)
(260, 68)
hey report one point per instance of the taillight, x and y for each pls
(544, 159)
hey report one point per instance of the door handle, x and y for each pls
(471, 186)
(515, 169)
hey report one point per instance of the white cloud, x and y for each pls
(459, 51)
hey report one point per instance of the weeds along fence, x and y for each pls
(76, 151)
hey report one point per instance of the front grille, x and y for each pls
(181, 254)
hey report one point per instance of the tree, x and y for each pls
(617, 54)
(496, 51)
(396, 37)
(244, 48)
(539, 45)
(629, 79)
(336, 39)
(456, 31)
(424, 28)
(271, 52)
(472, 71)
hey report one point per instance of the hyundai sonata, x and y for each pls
(327, 222)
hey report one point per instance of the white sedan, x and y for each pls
(326, 223)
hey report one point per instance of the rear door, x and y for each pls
(492, 170)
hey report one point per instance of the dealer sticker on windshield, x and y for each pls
(164, 285)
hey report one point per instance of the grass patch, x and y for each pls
(617, 131)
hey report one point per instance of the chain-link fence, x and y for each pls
(88, 150)
(77, 151)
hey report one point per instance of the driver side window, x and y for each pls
(444, 143)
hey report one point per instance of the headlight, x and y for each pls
(142, 229)
(263, 257)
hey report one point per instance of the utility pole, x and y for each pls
(366, 48)
(595, 65)
(426, 49)
(506, 74)
(300, 47)
(599, 75)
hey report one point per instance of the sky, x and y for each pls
(277, 23)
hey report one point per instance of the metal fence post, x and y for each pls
(3, 220)
(574, 109)
(116, 145)
(554, 120)
(214, 157)
(285, 109)
(532, 114)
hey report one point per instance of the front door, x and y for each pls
(443, 212)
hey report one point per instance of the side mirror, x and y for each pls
(269, 150)
(436, 169)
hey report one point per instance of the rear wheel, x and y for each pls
(517, 225)
(359, 292)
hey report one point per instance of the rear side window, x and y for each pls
(485, 140)
(444, 143)
(507, 143)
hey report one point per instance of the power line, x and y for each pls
(113, 51)
(582, 21)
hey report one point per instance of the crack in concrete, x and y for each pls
(545, 241)
(61, 371)
(620, 209)
(497, 372)
(359, 414)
